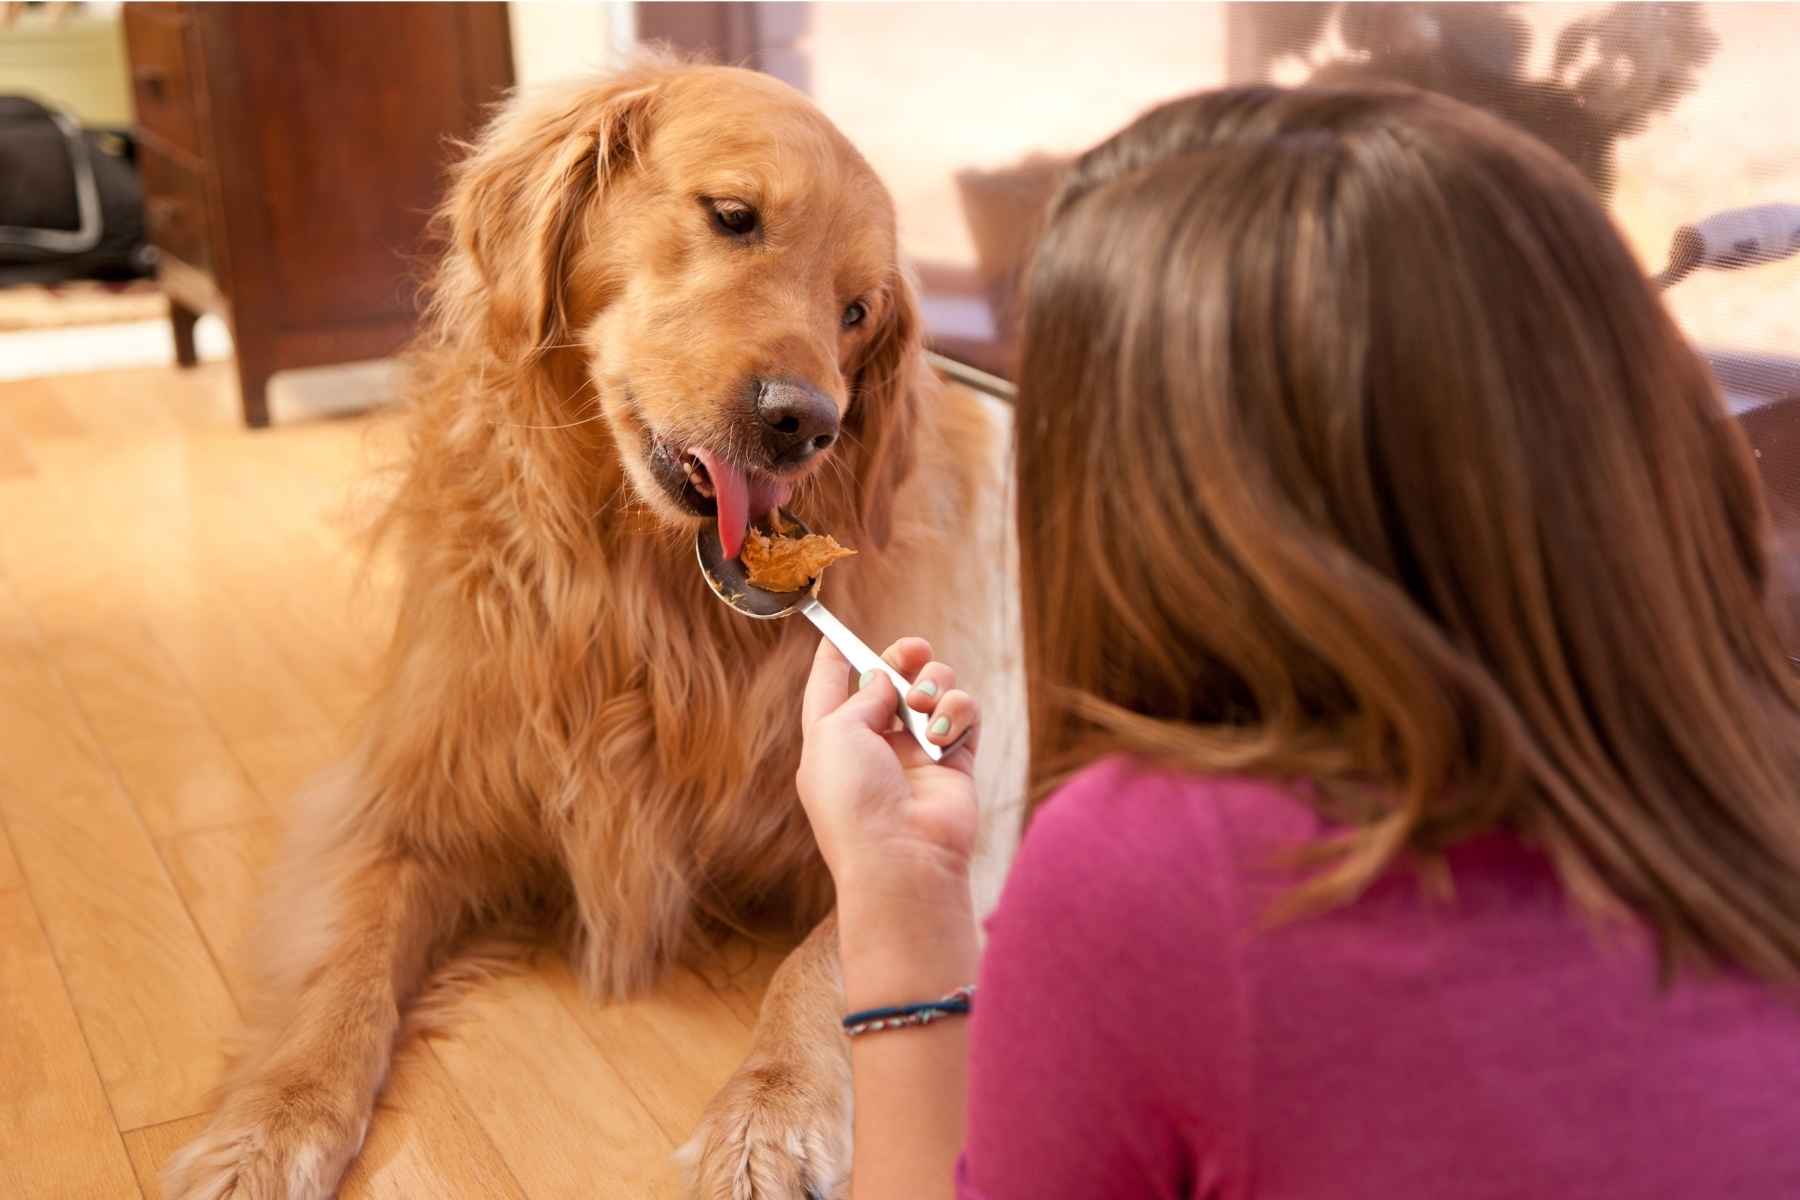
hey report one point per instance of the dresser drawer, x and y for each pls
(164, 83)
(175, 208)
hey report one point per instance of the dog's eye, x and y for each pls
(734, 219)
(854, 314)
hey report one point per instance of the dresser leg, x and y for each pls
(181, 321)
(253, 385)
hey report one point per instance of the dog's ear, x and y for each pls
(883, 409)
(517, 200)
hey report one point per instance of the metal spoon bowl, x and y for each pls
(729, 580)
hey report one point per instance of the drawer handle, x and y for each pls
(153, 81)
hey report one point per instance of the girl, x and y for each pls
(1419, 762)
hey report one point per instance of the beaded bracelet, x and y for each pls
(874, 1020)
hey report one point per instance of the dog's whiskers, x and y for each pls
(836, 464)
(592, 402)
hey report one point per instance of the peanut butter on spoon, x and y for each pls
(784, 562)
(799, 556)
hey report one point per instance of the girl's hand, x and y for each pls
(896, 829)
(881, 810)
(898, 832)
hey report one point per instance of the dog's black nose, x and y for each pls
(797, 421)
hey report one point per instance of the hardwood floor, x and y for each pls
(184, 637)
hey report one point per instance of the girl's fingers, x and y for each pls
(908, 655)
(870, 703)
(828, 685)
(934, 681)
(955, 714)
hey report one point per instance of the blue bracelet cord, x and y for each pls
(955, 1004)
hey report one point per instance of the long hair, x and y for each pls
(1353, 445)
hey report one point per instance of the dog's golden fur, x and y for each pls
(568, 727)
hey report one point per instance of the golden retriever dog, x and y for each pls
(668, 297)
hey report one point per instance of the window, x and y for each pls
(1680, 115)
(1676, 112)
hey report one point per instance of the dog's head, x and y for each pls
(725, 262)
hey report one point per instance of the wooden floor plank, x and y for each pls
(325, 632)
(182, 782)
(151, 1146)
(740, 972)
(202, 400)
(56, 1132)
(238, 678)
(328, 629)
(17, 637)
(187, 634)
(278, 766)
(236, 669)
(37, 410)
(566, 1124)
(15, 461)
(219, 874)
(425, 1142)
(87, 592)
(139, 512)
(174, 764)
(422, 1143)
(674, 1048)
(10, 875)
(150, 1001)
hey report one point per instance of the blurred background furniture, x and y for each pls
(291, 156)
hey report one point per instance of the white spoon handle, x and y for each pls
(864, 659)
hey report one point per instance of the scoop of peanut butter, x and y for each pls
(779, 563)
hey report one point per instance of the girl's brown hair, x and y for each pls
(1353, 444)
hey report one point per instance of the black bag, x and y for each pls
(71, 206)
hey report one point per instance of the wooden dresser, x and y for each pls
(291, 155)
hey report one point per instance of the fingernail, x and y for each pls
(925, 688)
(940, 727)
(866, 678)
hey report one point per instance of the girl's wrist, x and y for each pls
(910, 974)
(904, 942)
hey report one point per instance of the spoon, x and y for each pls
(729, 580)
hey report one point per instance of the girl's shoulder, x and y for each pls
(1126, 844)
(1149, 814)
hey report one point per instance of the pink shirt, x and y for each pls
(1135, 1035)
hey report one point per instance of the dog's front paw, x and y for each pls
(776, 1131)
(267, 1146)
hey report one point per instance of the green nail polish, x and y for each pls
(927, 688)
(940, 727)
(866, 678)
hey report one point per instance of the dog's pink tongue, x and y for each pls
(731, 493)
(766, 495)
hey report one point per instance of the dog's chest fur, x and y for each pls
(678, 797)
